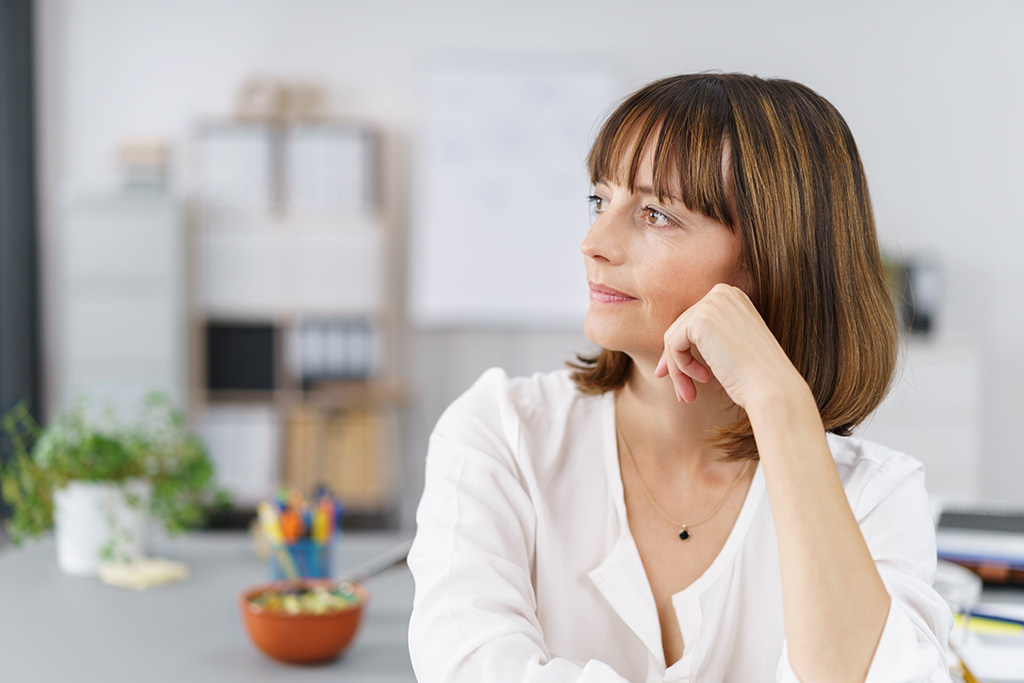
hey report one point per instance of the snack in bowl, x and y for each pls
(303, 621)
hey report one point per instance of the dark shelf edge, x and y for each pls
(241, 518)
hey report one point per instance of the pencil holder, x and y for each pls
(312, 560)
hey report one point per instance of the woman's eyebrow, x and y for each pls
(643, 189)
(647, 189)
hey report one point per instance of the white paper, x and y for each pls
(994, 659)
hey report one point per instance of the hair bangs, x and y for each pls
(689, 138)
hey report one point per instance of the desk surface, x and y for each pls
(55, 627)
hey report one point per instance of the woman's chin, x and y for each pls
(597, 332)
(608, 336)
(614, 338)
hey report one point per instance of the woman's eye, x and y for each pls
(596, 204)
(655, 218)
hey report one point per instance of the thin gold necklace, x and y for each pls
(684, 529)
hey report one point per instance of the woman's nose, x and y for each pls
(602, 242)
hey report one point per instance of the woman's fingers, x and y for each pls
(686, 362)
(719, 322)
(722, 336)
(662, 369)
(686, 391)
(678, 362)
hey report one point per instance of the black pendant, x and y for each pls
(684, 534)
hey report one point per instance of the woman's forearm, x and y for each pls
(835, 604)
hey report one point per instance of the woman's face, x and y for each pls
(648, 261)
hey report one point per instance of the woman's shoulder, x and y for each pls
(855, 452)
(871, 471)
(540, 390)
(498, 399)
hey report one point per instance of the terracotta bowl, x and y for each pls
(301, 638)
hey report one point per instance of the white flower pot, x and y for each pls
(91, 517)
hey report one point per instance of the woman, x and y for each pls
(688, 505)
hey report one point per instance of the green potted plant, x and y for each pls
(101, 485)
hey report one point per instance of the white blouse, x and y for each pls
(526, 570)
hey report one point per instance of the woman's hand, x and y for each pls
(724, 335)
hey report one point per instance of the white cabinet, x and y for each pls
(122, 301)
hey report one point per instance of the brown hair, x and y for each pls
(795, 188)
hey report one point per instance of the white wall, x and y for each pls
(931, 88)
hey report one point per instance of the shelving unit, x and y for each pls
(293, 316)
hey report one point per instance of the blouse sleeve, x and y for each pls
(474, 613)
(894, 516)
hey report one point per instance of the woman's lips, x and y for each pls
(607, 295)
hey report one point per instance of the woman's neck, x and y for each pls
(660, 427)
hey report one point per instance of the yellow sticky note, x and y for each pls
(142, 573)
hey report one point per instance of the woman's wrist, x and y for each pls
(788, 402)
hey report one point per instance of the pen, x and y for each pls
(967, 674)
(983, 614)
(291, 526)
(272, 528)
(375, 566)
